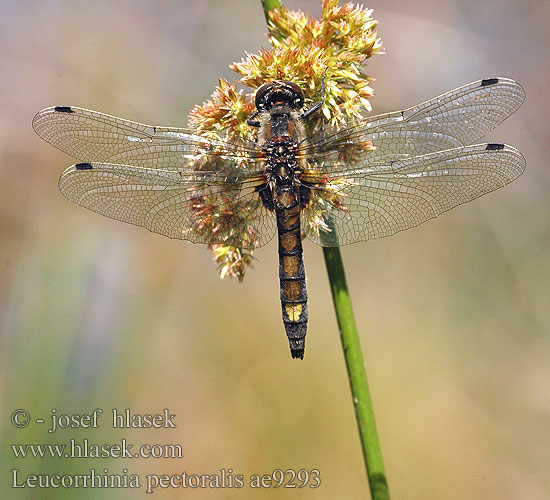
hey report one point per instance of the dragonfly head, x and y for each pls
(273, 94)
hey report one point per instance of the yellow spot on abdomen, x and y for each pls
(293, 311)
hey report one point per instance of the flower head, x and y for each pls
(226, 112)
(306, 51)
(232, 261)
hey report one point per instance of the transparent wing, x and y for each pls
(91, 136)
(457, 118)
(202, 207)
(379, 199)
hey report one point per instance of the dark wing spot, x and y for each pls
(494, 146)
(83, 166)
(489, 81)
(64, 109)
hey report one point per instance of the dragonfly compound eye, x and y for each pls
(261, 94)
(297, 95)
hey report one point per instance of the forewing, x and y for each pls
(457, 118)
(90, 136)
(202, 207)
(376, 200)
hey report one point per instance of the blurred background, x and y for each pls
(453, 315)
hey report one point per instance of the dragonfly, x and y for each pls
(371, 179)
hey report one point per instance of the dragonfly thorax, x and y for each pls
(281, 158)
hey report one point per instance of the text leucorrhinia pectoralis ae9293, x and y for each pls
(372, 179)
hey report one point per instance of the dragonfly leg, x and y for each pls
(317, 105)
(251, 121)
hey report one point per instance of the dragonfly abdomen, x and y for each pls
(292, 275)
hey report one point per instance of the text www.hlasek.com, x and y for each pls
(85, 449)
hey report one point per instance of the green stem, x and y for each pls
(355, 365)
(269, 5)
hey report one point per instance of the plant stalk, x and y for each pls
(270, 5)
(355, 365)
